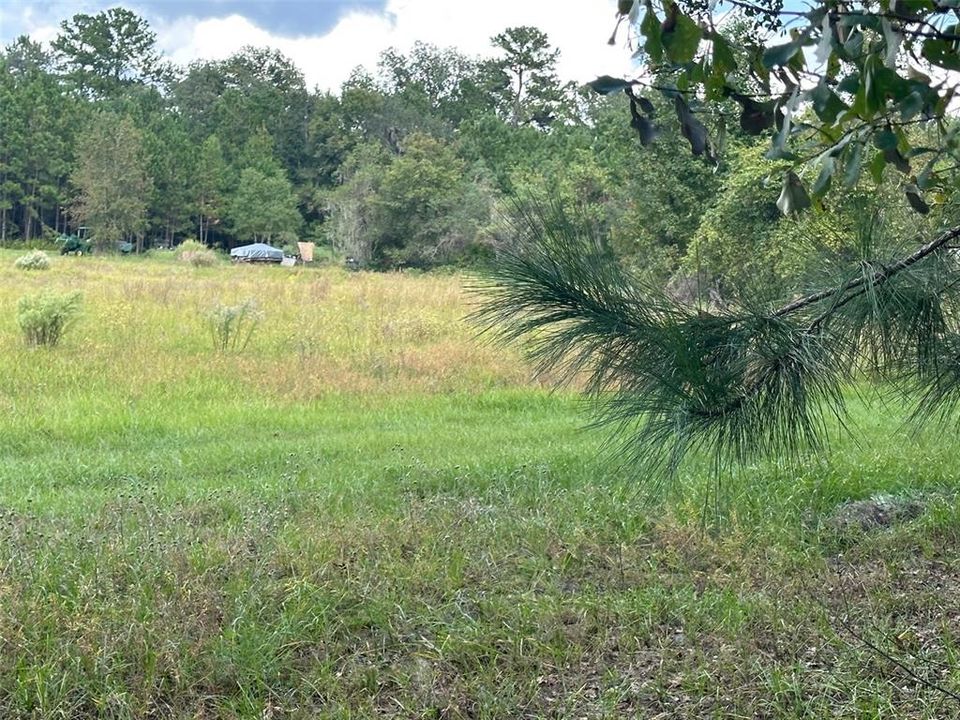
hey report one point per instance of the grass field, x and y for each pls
(370, 513)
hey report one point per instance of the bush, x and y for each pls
(33, 260)
(44, 318)
(199, 258)
(232, 326)
(196, 254)
(190, 246)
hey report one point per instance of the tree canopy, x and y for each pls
(420, 114)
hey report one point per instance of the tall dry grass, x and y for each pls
(324, 330)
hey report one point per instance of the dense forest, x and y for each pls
(412, 163)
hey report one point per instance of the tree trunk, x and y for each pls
(516, 100)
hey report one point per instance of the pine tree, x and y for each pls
(113, 181)
(209, 187)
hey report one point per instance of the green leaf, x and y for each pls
(780, 54)
(853, 46)
(869, 96)
(854, 164)
(826, 103)
(793, 197)
(780, 153)
(889, 84)
(850, 84)
(723, 59)
(861, 19)
(827, 166)
(885, 139)
(693, 130)
(945, 53)
(876, 167)
(681, 39)
(650, 29)
(916, 199)
(911, 105)
(607, 85)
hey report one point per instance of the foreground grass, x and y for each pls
(395, 522)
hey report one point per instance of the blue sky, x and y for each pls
(328, 38)
(283, 17)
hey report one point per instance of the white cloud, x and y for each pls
(579, 29)
(26, 20)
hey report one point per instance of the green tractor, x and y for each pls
(74, 244)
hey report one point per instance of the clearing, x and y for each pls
(370, 513)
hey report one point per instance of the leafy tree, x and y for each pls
(196, 95)
(422, 208)
(209, 185)
(435, 82)
(657, 196)
(328, 140)
(737, 248)
(10, 150)
(524, 81)
(234, 98)
(112, 180)
(430, 210)
(765, 374)
(264, 207)
(258, 153)
(101, 54)
(352, 206)
(171, 166)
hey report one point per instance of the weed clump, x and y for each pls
(44, 318)
(199, 258)
(196, 254)
(33, 260)
(232, 326)
(189, 246)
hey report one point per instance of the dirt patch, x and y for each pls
(877, 512)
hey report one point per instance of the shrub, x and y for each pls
(44, 318)
(189, 246)
(232, 326)
(199, 258)
(33, 260)
(196, 254)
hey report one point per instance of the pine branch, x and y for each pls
(879, 277)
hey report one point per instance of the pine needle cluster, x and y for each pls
(738, 382)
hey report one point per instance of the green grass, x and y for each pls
(368, 513)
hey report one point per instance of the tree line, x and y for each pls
(411, 163)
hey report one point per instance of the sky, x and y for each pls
(328, 38)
